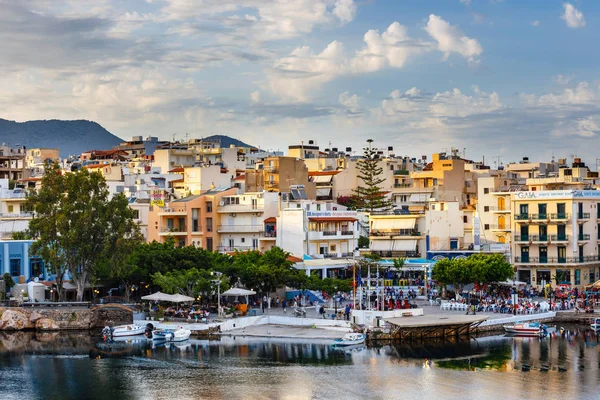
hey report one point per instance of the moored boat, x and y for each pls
(171, 335)
(350, 339)
(596, 324)
(527, 329)
(128, 330)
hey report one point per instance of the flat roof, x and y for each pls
(424, 321)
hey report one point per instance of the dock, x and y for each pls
(434, 326)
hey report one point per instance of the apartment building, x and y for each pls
(576, 177)
(139, 147)
(556, 236)
(279, 174)
(242, 222)
(191, 221)
(393, 235)
(168, 159)
(317, 230)
(14, 216)
(36, 159)
(12, 163)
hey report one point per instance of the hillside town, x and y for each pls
(542, 215)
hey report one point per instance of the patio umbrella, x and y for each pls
(238, 292)
(158, 296)
(179, 298)
(511, 282)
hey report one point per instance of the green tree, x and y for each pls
(455, 272)
(190, 282)
(363, 242)
(82, 227)
(369, 195)
(487, 268)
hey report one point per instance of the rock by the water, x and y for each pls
(15, 320)
(46, 324)
(35, 316)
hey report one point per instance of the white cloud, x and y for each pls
(352, 102)
(451, 40)
(535, 23)
(563, 80)
(580, 95)
(344, 10)
(255, 97)
(573, 17)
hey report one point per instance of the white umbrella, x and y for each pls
(512, 283)
(158, 296)
(238, 292)
(178, 298)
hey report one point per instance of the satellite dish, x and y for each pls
(221, 203)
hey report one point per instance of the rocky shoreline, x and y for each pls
(52, 319)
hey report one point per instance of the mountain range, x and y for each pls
(72, 137)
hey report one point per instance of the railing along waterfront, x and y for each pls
(556, 260)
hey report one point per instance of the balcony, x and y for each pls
(396, 254)
(583, 237)
(540, 238)
(17, 215)
(395, 233)
(559, 238)
(402, 185)
(401, 172)
(500, 210)
(241, 208)
(172, 212)
(521, 217)
(325, 235)
(556, 260)
(559, 216)
(347, 233)
(522, 238)
(272, 235)
(583, 215)
(240, 228)
(227, 249)
(504, 228)
(173, 230)
(539, 217)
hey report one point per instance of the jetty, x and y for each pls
(433, 326)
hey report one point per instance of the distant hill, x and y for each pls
(71, 137)
(227, 141)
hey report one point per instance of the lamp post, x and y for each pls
(335, 300)
(218, 283)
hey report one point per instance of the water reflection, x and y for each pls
(77, 365)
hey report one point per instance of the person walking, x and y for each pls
(347, 312)
(284, 305)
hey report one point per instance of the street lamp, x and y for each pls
(335, 299)
(218, 283)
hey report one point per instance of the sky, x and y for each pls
(502, 79)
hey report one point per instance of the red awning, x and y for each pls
(271, 219)
(325, 219)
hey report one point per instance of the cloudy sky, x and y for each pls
(506, 78)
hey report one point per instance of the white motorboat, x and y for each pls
(527, 329)
(350, 339)
(128, 330)
(171, 335)
(596, 324)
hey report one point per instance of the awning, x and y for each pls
(322, 192)
(393, 245)
(419, 197)
(322, 179)
(270, 220)
(325, 219)
(390, 224)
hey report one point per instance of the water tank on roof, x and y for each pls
(348, 149)
(335, 149)
(311, 142)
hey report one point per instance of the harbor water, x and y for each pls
(78, 366)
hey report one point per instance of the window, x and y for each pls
(209, 206)
(486, 227)
(543, 254)
(209, 227)
(562, 254)
(10, 208)
(136, 214)
(182, 242)
(243, 240)
(209, 244)
(37, 268)
(592, 275)
(542, 210)
(561, 231)
(332, 248)
(486, 190)
(563, 276)
(15, 266)
(524, 209)
(231, 244)
(318, 207)
(254, 244)
(465, 219)
(486, 208)
(561, 210)
(195, 224)
(525, 254)
(578, 277)
(543, 277)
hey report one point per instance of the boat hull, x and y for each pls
(524, 331)
(128, 330)
(351, 341)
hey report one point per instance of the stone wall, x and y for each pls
(18, 318)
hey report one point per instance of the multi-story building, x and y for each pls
(140, 147)
(242, 221)
(556, 236)
(393, 235)
(36, 159)
(14, 216)
(12, 163)
(317, 230)
(279, 174)
(16, 260)
(192, 220)
(576, 177)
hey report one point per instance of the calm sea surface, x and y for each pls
(74, 366)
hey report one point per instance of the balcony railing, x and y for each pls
(560, 216)
(540, 238)
(234, 248)
(521, 217)
(559, 238)
(583, 236)
(402, 185)
(271, 234)
(556, 260)
(504, 227)
(17, 215)
(583, 215)
(401, 172)
(397, 232)
(329, 233)
(394, 254)
(539, 216)
(241, 208)
(174, 229)
(239, 228)
(347, 233)
(522, 238)
(500, 209)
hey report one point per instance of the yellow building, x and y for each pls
(277, 174)
(556, 236)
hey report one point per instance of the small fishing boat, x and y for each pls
(171, 335)
(527, 329)
(350, 339)
(128, 330)
(596, 324)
